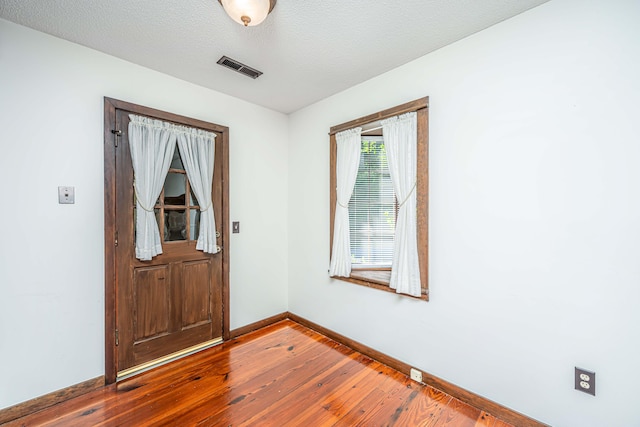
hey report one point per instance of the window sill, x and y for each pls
(376, 279)
(380, 277)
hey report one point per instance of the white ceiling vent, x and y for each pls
(239, 67)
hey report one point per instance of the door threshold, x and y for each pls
(127, 373)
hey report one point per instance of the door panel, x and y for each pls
(151, 302)
(175, 300)
(196, 293)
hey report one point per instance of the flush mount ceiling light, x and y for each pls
(248, 12)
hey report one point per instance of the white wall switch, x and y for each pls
(66, 195)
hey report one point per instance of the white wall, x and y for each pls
(534, 214)
(534, 237)
(51, 255)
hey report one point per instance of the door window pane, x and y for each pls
(175, 225)
(175, 187)
(193, 201)
(176, 161)
(195, 224)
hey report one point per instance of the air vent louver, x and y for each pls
(239, 67)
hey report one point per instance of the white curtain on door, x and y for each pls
(152, 143)
(400, 140)
(347, 162)
(197, 148)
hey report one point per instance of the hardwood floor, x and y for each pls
(281, 375)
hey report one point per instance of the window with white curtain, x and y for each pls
(373, 207)
(172, 186)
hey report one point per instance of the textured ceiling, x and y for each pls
(307, 49)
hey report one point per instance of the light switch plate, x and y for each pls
(235, 227)
(66, 195)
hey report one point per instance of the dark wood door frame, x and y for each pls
(110, 237)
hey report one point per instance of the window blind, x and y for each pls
(372, 208)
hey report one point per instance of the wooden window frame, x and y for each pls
(375, 278)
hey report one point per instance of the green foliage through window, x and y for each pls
(372, 208)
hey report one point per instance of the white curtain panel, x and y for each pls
(401, 141)
(152, 143)
(197, 148)
(347, 162)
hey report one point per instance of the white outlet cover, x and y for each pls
(66, 195)
(416, 375)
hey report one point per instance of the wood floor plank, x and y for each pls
(332, 403)
(279, 394)
(292, 406)
(460, 414)
(282, 375)
(488, 420)
(399, 391)
(263, 392)
(374, 392)
(233, 376)
(425, 411)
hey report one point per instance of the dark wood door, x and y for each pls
(174, 301)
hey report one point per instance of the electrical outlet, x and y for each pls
(585, 381)
(416, 375)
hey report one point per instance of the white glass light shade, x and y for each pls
(247, 12)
